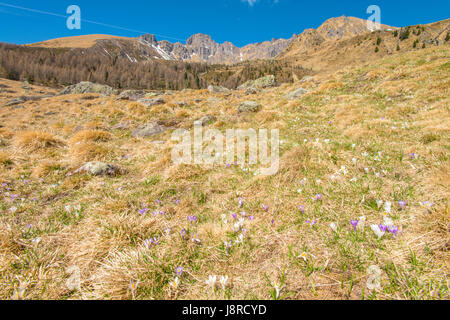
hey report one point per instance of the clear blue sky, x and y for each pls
(238, 21)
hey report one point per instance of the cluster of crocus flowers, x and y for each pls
(212, 281)
(176, 281)
(150, 242)
(192, 219)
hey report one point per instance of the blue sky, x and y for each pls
(238, 21)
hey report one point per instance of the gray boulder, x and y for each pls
(218, 89)
(148, 130)
(89, 87)
(296, 94)
(151, 102)
(249, 106)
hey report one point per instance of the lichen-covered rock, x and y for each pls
(298, 93)
(89, 87)
(249, 106)
(152, 102)
(261, 83)
(97, 168)
(251, 90)
(218, 89)
(148, 130)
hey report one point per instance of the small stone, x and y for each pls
(97, 168)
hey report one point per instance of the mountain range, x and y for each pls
(202, 48)
(146, 63)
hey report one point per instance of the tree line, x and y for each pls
(58, 67)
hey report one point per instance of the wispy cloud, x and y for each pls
(252, 2)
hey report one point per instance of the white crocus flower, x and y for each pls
(376, 229)
(174, 284)
(379, 203)
(388, 221)
(361, 223)
(387, 206)
(211, 281)
(333, 227)
(223, 281)
(224, 218)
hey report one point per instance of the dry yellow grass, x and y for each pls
(35, 140)
(349, 139)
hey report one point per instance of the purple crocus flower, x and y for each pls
(148, 243)
(302, 209)
(272, 222)
(241, 202)
(318, 197)
(143, 211)
(179, 271)
(158, 202)
(402, 204)
(412, 155)
(311, 222)
(155, 240)
(234, 215)
(251, 218)
(192, 219)
(228, 165)
(265, 207)
(382, 228)
(393, 230)
(354, 223)
(177, 202)
(183, 233)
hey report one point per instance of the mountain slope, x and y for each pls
(359, 136)
(323, 51)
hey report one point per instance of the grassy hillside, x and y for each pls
(361, 135)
